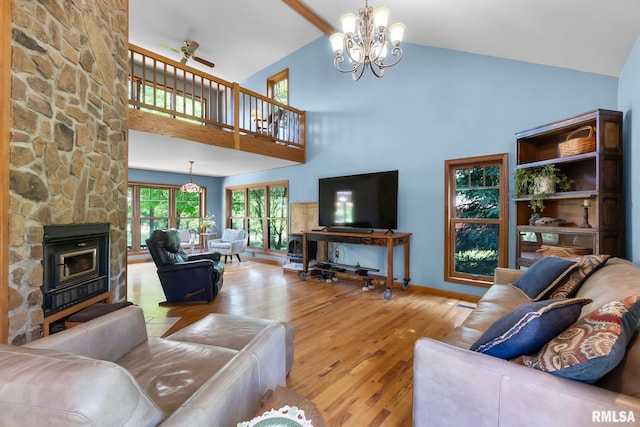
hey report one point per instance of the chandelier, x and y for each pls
(190, 187)
(364, 41)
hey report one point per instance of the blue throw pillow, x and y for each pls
(589, 349)
(543, 276)
(527, 328)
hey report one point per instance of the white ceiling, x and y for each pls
(587, 35)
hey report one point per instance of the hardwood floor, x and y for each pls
(353, 349)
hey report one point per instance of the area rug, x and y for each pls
(158, 326)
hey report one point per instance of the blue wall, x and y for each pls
(213, 184)
(628, 98)
(437, 104)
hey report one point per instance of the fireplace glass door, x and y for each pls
(76, 264)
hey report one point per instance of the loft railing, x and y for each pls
(169, 88)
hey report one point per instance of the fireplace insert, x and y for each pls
(76, 264)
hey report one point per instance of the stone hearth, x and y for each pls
(68, 139)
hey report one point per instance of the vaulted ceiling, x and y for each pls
(243, 36)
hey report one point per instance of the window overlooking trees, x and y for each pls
(278, 87)
(262, 210)
(151, 207)
(257, 213)
(154, 211)
(278, 90)
(238, 209)
(278, 214)
(188, 210)
(476, 215)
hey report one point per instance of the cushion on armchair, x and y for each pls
(219, 246)
(231, 235)
(55, 388)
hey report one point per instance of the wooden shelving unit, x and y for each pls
(597, 178)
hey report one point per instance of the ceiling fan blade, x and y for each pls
(184, 60)
(204, 61)
(169, 48)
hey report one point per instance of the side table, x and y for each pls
(204, 240)
(283, 396)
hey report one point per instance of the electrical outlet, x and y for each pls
(337, 254)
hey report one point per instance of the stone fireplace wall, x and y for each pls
(68, 143)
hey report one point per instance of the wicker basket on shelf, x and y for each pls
(578, 145)
(563, 251)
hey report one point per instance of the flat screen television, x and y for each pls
(365, 201)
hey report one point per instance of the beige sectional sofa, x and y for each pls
(454, 386)
(107, 372)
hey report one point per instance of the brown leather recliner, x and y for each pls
(184, 278)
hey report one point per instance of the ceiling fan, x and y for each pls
(187, 50)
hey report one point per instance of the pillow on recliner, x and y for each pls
(543, 276)
(527, 328)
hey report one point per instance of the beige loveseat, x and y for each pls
(454, 386)
(107, 372)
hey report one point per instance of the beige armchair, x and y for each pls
(187, 242)
(233, 242)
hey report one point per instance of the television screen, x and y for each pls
(361, 201)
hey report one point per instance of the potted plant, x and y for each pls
(538, 182)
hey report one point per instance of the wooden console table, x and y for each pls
(389, 240)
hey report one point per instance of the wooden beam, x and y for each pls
(311, 16)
